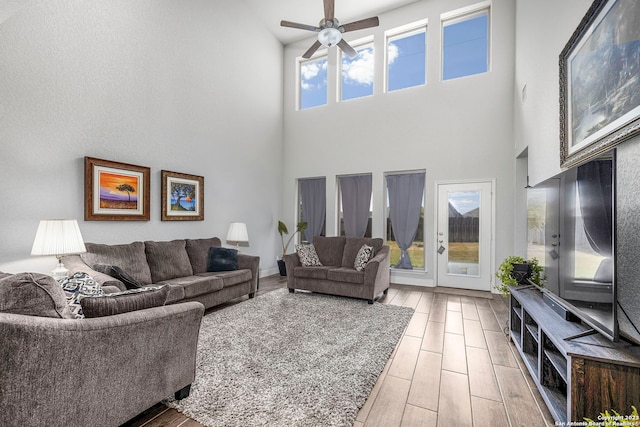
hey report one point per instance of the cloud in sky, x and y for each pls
(360, 69)
(392, 53)
(310, 71)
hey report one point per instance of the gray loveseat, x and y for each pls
(59, 371)
(337, 275)
(181, 264)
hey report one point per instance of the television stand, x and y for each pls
(578, 378)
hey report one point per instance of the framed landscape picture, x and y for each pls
(600, 81)
(115, 191)
(182, 197)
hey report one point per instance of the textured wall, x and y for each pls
(628, 238)
(192, 87)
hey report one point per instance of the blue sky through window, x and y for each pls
(357, 74)
(406, 61)
(465, 47)
(313, 83)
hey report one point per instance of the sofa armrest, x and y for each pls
(252, 263)
(75, 264)
(291, 261)
(376, 272)
(100, 371)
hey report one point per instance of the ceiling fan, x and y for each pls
(330, 30)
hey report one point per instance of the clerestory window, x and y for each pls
(406, 56)
(465, 42)
(313, 82)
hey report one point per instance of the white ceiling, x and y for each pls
(273, 11)
(311, 11)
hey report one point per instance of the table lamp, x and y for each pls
(238, 233)
(58, 237)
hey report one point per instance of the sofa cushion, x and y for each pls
(329, 249)
(124, 302)
(118, 273)
(130, 257)
(222, 259)
(362, 258)
(307, 255)
(346, 274)
(33, 294)
(168, 260)
(231, 278)
(197, 285)
(311, 272)
(198, 251)
(353, 245)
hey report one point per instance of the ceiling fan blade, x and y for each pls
(347, 49)
(329, 10)
(299, 26)
(312, 50)
(360, 25)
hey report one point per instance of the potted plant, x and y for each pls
(282, 230)
(515, 270)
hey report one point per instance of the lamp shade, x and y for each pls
(58, 237)
(237, 232)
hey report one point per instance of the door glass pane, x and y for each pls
(536, 217)
(464, 233)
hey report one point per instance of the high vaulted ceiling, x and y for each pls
(273, 11)
(311, 11)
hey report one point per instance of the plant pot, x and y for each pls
(282, 267)
(521, 272)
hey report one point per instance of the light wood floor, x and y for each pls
(454, 366)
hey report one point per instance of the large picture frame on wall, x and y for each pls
(599, 81)
(182, 197)
(115, 191)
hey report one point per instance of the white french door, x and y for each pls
(464, 232)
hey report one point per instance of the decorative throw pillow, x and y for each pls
(79, 286)
(222, 259)
(118, 273)
(33, 294)
(125, 301)
(308, 255)
(363, 257)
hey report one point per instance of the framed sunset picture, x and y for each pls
(182, 197)
(115, 191)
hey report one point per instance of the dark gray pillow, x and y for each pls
(222, 259)
(125, 301)
(118, 273)
(33, 294)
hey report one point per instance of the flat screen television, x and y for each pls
(571, 229)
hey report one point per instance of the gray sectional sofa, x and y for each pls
(337, 275)
(58, 371)
(181, 264)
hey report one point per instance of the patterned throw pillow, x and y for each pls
(77, 287)
(308, 256)
(363, 257)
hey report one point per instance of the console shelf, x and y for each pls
(577, 378)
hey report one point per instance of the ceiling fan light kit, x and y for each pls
(330, 31)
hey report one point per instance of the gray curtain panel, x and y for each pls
(405, 201)
(313, 193)
(356, 200)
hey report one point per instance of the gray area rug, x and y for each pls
(285, 359)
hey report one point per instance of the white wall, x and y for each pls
(456, 130)
(194, 89)
(543, 28)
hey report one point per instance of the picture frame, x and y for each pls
(182, 197)
(115, 191)
(599, 79)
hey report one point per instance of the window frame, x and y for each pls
(361, 43)
(300, 61)
(401, 32)
(460, 15)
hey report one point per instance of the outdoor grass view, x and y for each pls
(416, 250)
